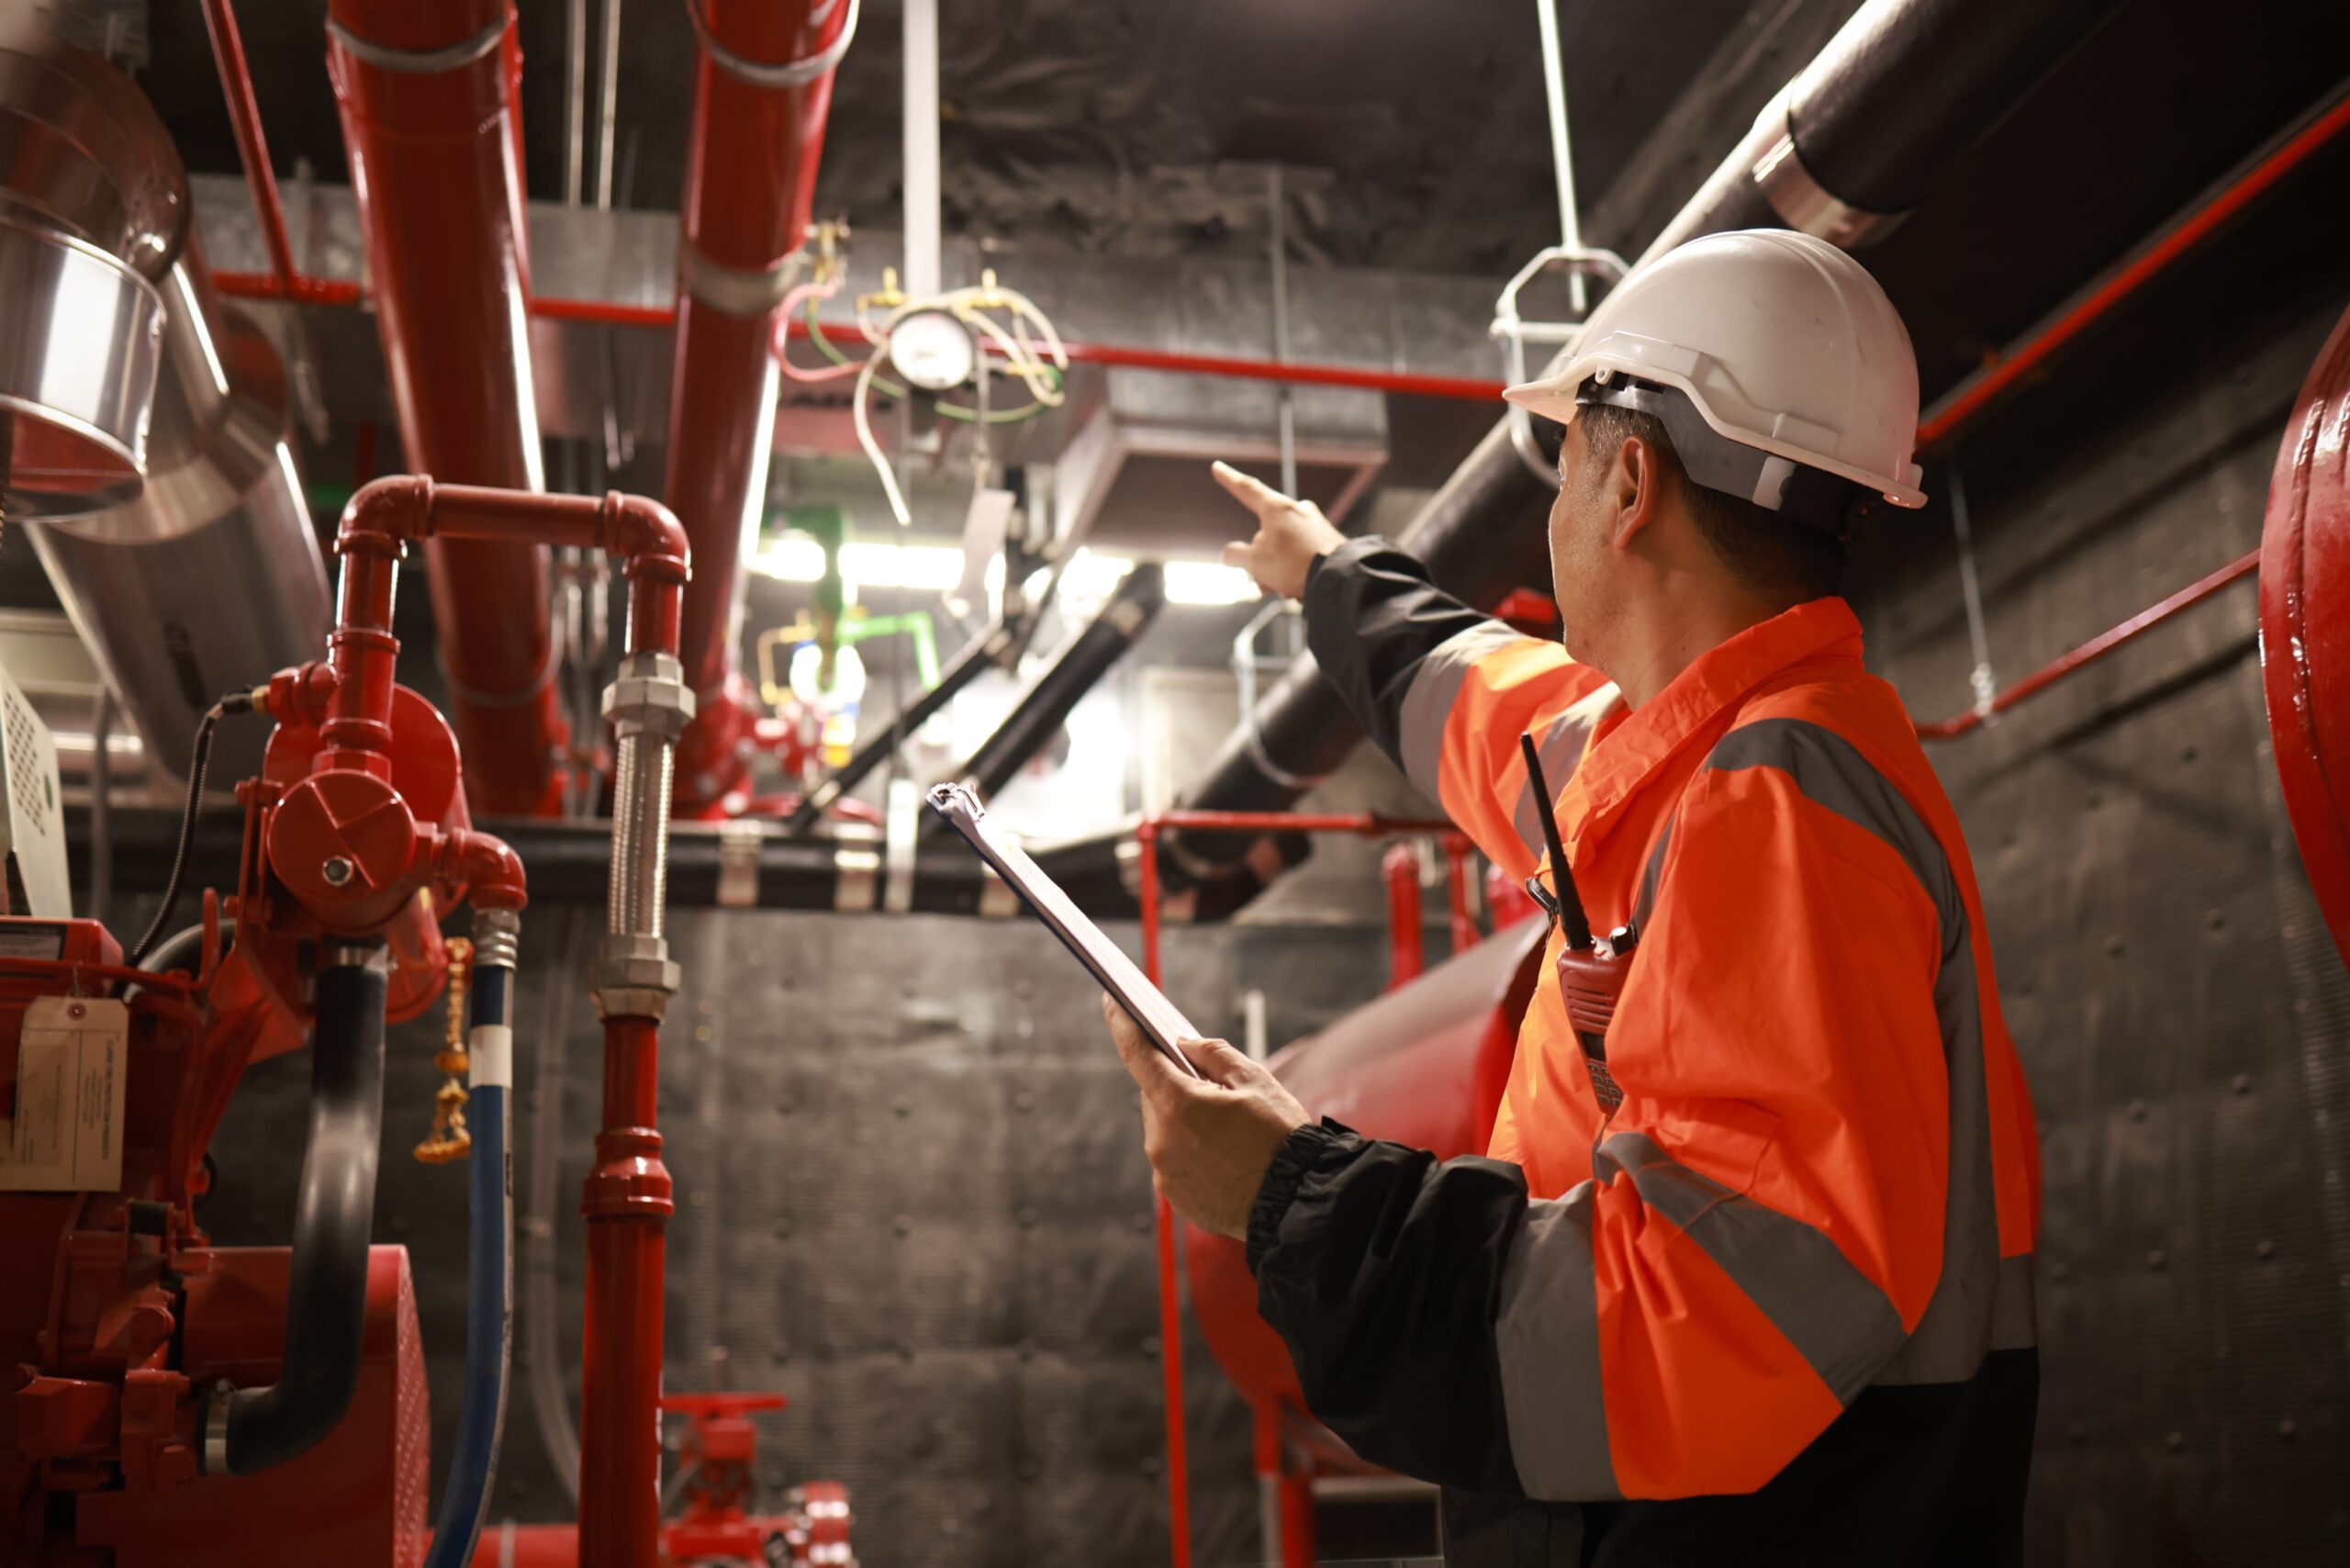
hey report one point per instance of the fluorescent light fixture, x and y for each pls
(793, 558)
(1093, 576)
(796, 558)
(1209, 582)
(934, 566)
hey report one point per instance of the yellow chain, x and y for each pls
(449, 1141)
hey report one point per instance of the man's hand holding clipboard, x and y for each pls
(1211, 1118)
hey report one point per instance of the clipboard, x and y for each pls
(1162, 1024)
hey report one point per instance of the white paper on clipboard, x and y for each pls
(1161, 1021)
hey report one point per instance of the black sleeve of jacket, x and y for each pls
(1371, 615)
(1381, 1268)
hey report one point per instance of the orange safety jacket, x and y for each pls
(1787, 1281)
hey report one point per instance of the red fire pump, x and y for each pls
(166, 1401)
(123, 1332)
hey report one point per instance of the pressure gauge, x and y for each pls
(932, 350)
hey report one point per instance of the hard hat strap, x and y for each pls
(1795, 490)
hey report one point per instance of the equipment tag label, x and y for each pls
(66, 1134)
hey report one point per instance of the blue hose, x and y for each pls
(489, 1291)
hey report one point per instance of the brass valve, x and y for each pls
(449, 1141)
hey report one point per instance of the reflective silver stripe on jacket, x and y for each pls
(1980, 1303)
(1547, 1336)
(1419, 723)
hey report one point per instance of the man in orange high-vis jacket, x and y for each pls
(1746, 1277)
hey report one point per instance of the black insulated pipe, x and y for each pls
(1899, 98)
(1077, 669)
(1960, 64)
(1895, 102)
(326, 1296)
(977, 654)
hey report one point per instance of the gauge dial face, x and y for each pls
(932, 350)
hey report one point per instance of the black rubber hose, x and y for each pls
(326, 1297)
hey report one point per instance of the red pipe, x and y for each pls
(1406, 946)
(1456, 884)
(244, 119)
(1363, 824)
(627, 1200)
(627, 1203)
(1418, 384)
(750, 186)
(424, 90)
(2017, 361)
(649, 541)
(2096, 648)
(1170, 1311)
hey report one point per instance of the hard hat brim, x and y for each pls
(1553, 398)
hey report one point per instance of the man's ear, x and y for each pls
(1637, 486)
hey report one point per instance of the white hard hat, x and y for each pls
(1780, 342)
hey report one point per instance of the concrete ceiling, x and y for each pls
(1410, 135)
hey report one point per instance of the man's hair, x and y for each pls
(1765, 551)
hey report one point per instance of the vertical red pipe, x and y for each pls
(424, 88)
(1456, 885)
(1171, 1312)
(750, 186)
(1406, 947)
(628, 1204)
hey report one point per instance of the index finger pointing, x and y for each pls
(1252, 492)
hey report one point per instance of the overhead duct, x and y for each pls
(761, 91)
(206, 576)
(426, 95)
(1895, 102)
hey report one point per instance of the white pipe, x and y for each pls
(922, 278)
(1252, 1024)
(608, 105)
(1554, 92)
(1281, 325)
(575, 102)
